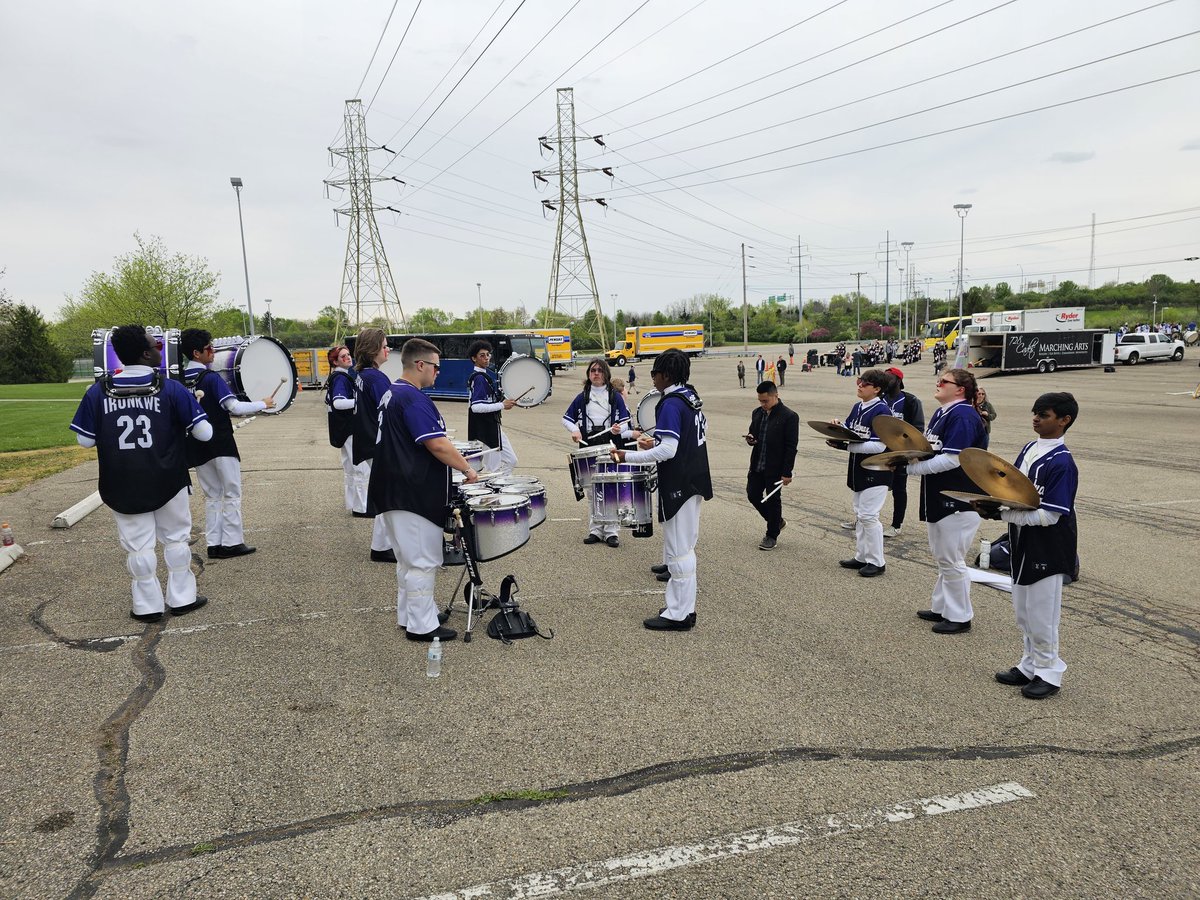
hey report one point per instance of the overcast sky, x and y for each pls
(724, 122)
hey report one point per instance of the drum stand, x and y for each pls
(477, 598)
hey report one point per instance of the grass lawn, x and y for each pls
(36, 416)
(27, 466)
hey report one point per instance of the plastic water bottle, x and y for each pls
(985, 554)
(6, 534)
(433, 659)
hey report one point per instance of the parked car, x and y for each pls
(1138, 346)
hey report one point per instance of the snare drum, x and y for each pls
(644, 418)
(582, 463)
(503, 481)
(256, 368)
(623, 494)
(474, 490)
(104, 357)
(536, 492)
(527, 380)
(497, 525)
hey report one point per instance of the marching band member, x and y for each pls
(410, 487)
(486, 404)
(953, 427)
(869, 486)
(370, 352)
(339, 402)
(217, 462)
(596, 416)
(678, 448)
(139, 440)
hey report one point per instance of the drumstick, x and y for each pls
(778, 488)
(526, 391)
(282, 382)
(199, 396)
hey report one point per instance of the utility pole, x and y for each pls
(1092, 261)
(908, 275)
(479, 296)
(745, 307)
(800, 288)
(858, 305)
(571, 274)
(368, 290)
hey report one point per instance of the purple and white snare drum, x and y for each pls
(497, 525)
(623, 494)
(474, 490)
(104, 357)
(536, 492)
(582, 463)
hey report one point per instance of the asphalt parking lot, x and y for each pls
(811, 737)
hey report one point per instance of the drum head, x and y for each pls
(644, 417)
(498, 501)
(526, 380)
(256, 368)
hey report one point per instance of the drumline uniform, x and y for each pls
(870, 487)
(408, 493)
(1044, 544)
(339, 401)
(683, 482)
(371, 385)
(593, 417)
(483, 418)
(144, 478)
(952, 524)
(217, 462)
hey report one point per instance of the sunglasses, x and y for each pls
(942, 381)
(436, 366)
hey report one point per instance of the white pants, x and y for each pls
(418, 546)
(950, 539)
(680, 533)
(354, 478)
(1038, 607)
(594, 527)
(868, 533)
(508, 456)
(379, 536)
(221, 481)
(171, 523)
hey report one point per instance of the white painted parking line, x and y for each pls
(663, 859)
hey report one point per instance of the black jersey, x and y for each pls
(685, 475)
(371, 385)
(405, 475)
(341, 421)
(139, 440)
(952, 429)
(215, 391)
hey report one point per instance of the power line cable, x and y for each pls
(392, 61)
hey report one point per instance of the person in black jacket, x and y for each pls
(774, 433)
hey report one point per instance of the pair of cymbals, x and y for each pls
(999, 479)
(885, 462)
(833, 432)
(899, 435)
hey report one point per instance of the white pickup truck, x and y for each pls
(1138, 346)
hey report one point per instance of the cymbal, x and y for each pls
(898, 434)
(835, 432)
(882, 462)
(985, 500)
(998, 478)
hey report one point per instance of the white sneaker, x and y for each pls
(849, 526)
(889, 531)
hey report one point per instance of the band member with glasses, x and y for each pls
(217, 462)
(597, 416)
(370, 352)
(138, 422)
(410, 488)
(487, 404)
(678, 448)
(339, 404)
(952, 428)
(870, 487)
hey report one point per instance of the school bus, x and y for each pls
(558, 343)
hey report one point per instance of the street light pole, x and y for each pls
(270, 318)
(237, 189)
(908, 280)
(745, 308)
(858, 305)
(614, 340)
(962, 209)
(479, 293)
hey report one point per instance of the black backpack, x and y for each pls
(511, 623)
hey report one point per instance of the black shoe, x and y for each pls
(767, 543)
(1013, 677)
(870, 571)
(947, 627)
(929, 615)
(146, 617)
(660, 569)
(216, 551)
(1039, 690)
(691, 617)
(359, 515)
(782, 524)
(446, 634)
(236, 550)
(613, 541)
(851, 563)
(663, 576)
(592, 539)
(387, 556)
(184, 610)
(658, 623)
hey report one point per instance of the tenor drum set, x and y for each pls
(619, 493)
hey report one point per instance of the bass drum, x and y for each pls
(527, 380)
(1192, 338)
(644, 417)
(104, 358)
(256, 368)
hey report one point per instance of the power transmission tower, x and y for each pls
(571, 274)
(368, 291)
